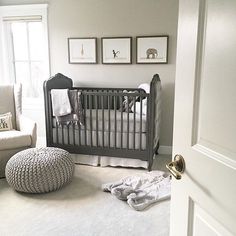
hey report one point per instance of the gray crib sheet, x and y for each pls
(135, 122)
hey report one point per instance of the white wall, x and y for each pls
(99, 18)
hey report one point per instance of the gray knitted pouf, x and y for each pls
(39, 170)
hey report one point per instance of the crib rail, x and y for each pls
(105, 114)
(106, 93)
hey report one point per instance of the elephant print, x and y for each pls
(151, 53)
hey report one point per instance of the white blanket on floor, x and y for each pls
(141, 191)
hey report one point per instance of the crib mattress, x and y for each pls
(133, 121)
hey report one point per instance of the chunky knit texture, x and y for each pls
(39, 170)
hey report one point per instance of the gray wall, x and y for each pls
(98, 18)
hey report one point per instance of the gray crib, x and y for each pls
(108, 130)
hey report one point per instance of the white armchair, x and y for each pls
(23, 135)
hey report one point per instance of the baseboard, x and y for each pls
(166, 150)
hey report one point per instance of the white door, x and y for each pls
(204, 200)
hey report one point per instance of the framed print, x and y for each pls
(82, 50)
(152, 49)
(116, 50)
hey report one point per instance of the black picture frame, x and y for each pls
(116, 50)
(78, 47)
(152, 49)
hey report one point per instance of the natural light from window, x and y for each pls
(24, 48)
(28, 56)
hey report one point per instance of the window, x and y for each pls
(25, 47)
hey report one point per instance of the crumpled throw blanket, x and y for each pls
(141, 191)
(76, 116)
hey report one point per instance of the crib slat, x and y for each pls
(109, 122)
(141, 123)
(96, 104)
(147, 130)
(57, 140)
(62, 134)
(121, 124)
(73, 134)
(68, 134)
(127, 122)
(91, 120)
(79, 128)
(134, 98)
(78, 124)
(115, 108)
(85, 125)
(102, 120)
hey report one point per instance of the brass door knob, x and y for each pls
(177, 166)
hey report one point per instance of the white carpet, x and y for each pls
(81, 208)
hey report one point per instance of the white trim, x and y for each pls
(14, 9)
(166, 150)
(217, 153)
(22, 18)
(22, 11)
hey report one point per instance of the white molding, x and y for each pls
(13, 9)
(217, 153)
(166, 150)
(18, 11)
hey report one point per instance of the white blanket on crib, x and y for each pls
(146, 88)
(60, 102)
(141, 191)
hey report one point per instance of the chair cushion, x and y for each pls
(14, 139)
(7, 102)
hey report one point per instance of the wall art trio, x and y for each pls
(118, 50)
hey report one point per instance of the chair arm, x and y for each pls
(28, 126)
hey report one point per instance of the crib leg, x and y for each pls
(156, 149)
(149, 168)
(150, 162)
